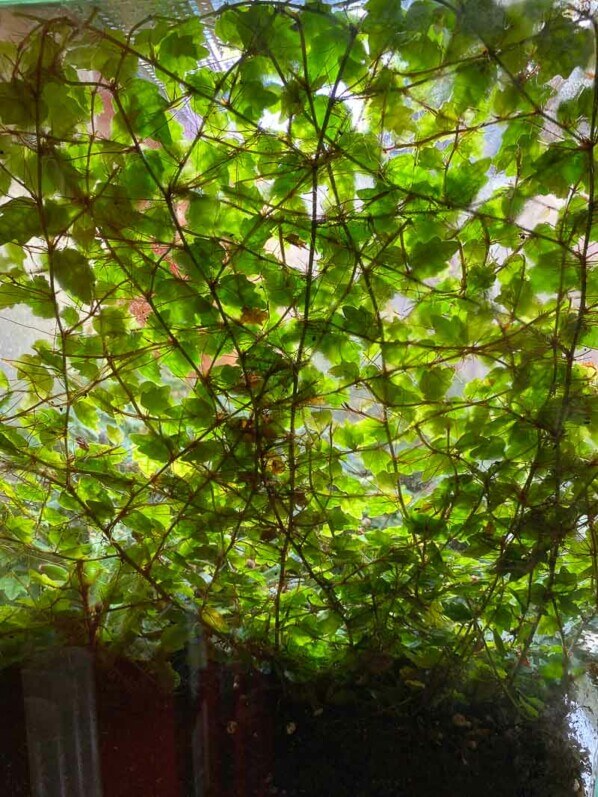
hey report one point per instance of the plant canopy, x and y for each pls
(320, 373)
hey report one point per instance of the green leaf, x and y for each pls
(17, 103)
(31, 368)
(73, 273)
(431, 257)
(465, 179)
(434, 382)
(19, 221)
(175, 637)
(154, 447)
(35, 293)
(155, 398)
(143, 112)
(183, 48)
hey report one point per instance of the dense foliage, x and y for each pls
(319, 374)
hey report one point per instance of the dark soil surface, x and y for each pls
(346, 752)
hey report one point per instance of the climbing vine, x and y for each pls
(319, 366)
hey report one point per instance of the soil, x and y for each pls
(354, 751)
